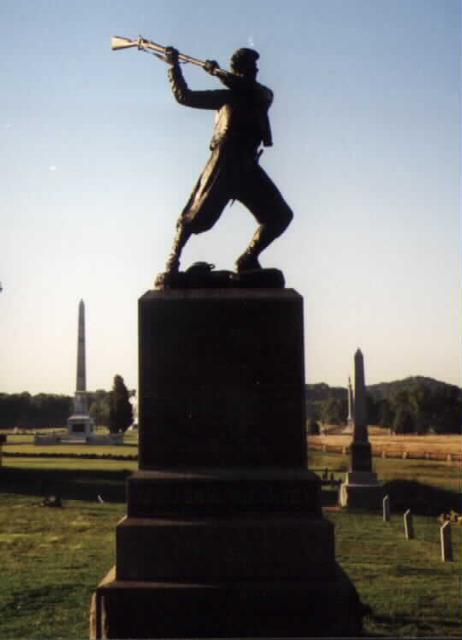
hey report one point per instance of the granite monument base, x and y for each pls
(325, 607)
(224, 534)
(361, 490)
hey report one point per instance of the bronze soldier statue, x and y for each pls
(233, 171)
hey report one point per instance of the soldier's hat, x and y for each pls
(242, 57)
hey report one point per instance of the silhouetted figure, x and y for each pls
(232, 172)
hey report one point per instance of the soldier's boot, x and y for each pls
(264, 236)
(181, 238)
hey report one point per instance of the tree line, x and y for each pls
(44, 410)
(413, 405)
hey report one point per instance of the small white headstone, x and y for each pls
(386, 509)
(446, 543)
(408, 525)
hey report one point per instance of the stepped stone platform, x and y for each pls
(224, 535)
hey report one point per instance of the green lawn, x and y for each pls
(69, 463)
(24, 445)
(411, 592)
(445, 475)
(52, 559)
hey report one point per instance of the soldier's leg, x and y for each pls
(181, 238)
(261, 196)
(205, 205)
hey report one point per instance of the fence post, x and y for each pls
(386, 509)
(2, 442)
(408, 525)
(446, 543)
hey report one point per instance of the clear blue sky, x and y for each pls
(98, 160)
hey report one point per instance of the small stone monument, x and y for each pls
(361, 488)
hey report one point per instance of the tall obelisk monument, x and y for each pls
(80, 398)
(361, 488)
(362, 460)
(80, 425)
(81, 372)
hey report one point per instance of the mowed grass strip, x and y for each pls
(70, 450)
(411, 592)
(436, 473)
(417, 445)
(25, 444)
(90, 464)
(52, 560)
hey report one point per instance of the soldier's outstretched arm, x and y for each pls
(183, 94)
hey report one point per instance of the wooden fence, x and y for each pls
(390, 453)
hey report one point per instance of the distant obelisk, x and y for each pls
(80, 398)
(361, 488)
(349, 425)
(364, 462)
(80, 425)
(81, 372)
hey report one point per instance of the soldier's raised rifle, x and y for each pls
(158, 50)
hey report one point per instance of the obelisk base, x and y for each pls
(361, 490)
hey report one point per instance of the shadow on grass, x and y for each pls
(421, 498)
(75, 484)
(424, 627)
(329, 497)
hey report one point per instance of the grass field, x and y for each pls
(429, 472)
(24, 445)
(52, 559)
(394, 445)
(410, 591)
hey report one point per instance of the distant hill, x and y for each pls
(416, 404)
(388, 389)
(322, 391)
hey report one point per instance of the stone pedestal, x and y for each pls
(361, 490)
(361, 456)
(224, 535)
(221, 378)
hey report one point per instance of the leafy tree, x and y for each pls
(121, 411)
(313, 427)
(332, 411)
(99, 402)
(29, 412)
(404, 421)
(385, 413)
